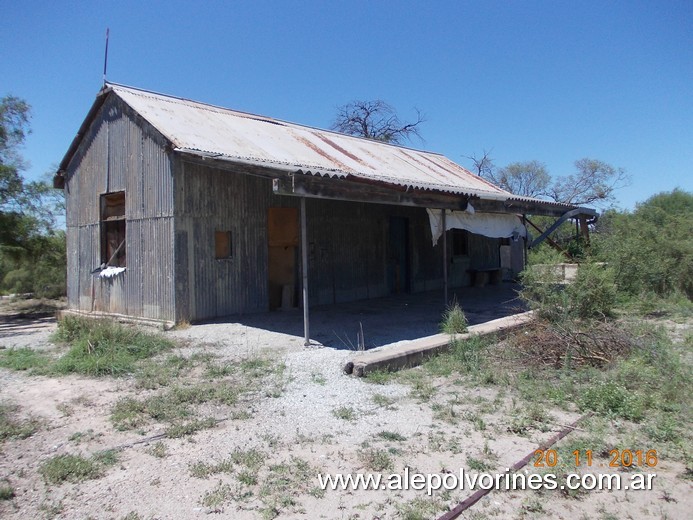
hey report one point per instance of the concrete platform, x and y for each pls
(384, 321)
(411, 353)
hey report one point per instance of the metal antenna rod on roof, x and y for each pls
(105, 59)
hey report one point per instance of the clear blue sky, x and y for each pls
(548, 80)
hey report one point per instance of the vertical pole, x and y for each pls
(526, 242)
(585, 229)
(445, 258)
(304, 268)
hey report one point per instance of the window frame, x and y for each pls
(113, 229)
(219, 244)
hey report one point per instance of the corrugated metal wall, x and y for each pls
(172, 273)
(210, 200)
(121, 152)
(347, 246)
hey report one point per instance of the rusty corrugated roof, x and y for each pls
(192, 126)
(209, 130)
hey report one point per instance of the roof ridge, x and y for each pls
(266, 119)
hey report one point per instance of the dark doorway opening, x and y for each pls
(398, 256)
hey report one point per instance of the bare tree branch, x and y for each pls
(376, 120)
(483, 165)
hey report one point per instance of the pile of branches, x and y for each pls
(571, 343)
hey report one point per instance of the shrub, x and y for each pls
(38, 266)
(543, 291)
(591, 295)
(454, 320)
(610, 397)
(650, 249)
(544, 254)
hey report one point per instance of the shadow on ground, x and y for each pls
(386, 320)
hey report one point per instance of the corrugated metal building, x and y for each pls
(178, 210)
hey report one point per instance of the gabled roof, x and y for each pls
(206, 130)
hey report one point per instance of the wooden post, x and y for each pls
(445, 257)
(585, 229)
(304, 268)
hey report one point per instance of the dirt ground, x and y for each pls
(262, 458)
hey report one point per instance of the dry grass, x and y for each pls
(571, 343)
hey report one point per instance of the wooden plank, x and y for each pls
(337, 189)
(550, 241)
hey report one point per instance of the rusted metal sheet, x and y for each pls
(194, 126)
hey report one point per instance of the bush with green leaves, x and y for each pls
(544, 254)
(650, 249)
(609, 397)
(591, 295)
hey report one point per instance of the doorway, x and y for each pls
(398, 256)
(282, 237)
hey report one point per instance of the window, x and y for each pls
(113, 229)
(223, 246)
(459, 242)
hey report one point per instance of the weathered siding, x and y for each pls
(121, 152)
(347, 246)
(208, 200)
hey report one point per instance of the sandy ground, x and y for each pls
(298, 429)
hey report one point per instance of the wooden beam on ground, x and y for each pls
(405, 354)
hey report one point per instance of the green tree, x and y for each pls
(650, 249)
(14, 126)
(593, 183)
(528, 179)
(32, 251)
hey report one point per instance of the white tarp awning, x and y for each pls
(494, 225)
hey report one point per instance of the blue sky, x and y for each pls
(553, 81)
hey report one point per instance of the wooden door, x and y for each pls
(282, 236)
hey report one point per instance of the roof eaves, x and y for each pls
(380, 179)
(84, 127)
